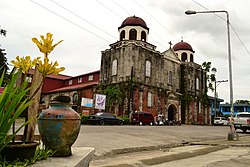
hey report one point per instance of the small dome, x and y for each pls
(134, 21)
(182, 46)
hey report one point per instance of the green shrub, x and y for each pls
(126, 120)
(84, 119)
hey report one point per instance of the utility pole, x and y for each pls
(130, 96)
(232, 134)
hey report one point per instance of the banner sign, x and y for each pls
(100, 101)
(86, 102)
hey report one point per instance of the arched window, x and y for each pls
(75, 98)
(191, 58)
(114, 67)
(197, 84)
(150, 99)
(170, 77)
(132, 34)
(148, 68)
(143, 36)
(184, 57)
(122, 35)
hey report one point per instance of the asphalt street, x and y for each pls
(160, 146)
(108, 138)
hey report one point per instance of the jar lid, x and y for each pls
(61, 99)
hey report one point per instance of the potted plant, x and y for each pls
(42, 69)
(13, 102)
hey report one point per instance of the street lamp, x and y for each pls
(216, 83)
(190, 12)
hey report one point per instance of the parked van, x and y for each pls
(142, 118)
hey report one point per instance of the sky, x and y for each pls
(88, 27)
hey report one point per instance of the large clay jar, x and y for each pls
(59, 126)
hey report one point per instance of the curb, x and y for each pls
(182, 155)
(136, 149)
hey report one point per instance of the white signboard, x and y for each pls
(100, 101)
(87, 102)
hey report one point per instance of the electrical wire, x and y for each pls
(69, 21)
(121, 7)
(109, 9)
(82, 18)
(240, 40)
(230, 26)
(155, 19)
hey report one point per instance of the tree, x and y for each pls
(206, 66)
(114, 96)
(242, 102)
(3, 32)
(3, 61)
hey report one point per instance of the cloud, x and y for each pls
(81, 50)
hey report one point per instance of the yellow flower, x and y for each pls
(24, 64)
(45, 44)
(46, 68)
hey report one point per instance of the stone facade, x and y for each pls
(167, 83)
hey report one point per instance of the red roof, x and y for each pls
(56, 76)
(73, 87)
(90, 73)
(134, 21)
(182, 46)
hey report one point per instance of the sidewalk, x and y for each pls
(244, 141)
(206, 153)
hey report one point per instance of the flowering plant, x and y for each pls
(45, 67)
(42, 69)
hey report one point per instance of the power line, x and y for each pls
(122, 7)
(109, 9)
(155, 19)
(69, 21)
(229, 24)
(240, 39)
(82, 18)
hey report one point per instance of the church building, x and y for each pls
(168, 83)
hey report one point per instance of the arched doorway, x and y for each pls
(171, 111)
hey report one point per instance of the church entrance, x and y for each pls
(171, 112)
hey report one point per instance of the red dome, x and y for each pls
(134, 21)
(182, 46)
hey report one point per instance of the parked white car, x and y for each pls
(242, 121)
(220, 121)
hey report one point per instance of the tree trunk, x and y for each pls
(35, 94)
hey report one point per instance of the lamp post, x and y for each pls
(216, 83)
(190, 12)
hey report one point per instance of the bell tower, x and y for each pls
(133, 28)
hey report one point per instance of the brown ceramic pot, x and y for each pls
(59, 127)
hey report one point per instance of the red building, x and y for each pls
(77, 87)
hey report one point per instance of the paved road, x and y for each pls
(108, 138)
(163, 146)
